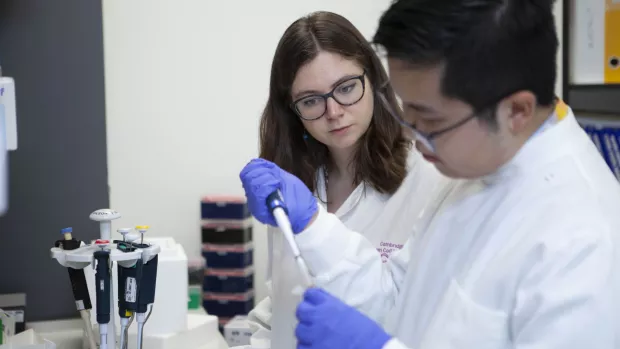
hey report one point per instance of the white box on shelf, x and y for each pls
(237, 331)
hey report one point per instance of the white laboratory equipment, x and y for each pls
(170, 327)
(147, 308)
(8, 135)
(28, 340)
(8, 142)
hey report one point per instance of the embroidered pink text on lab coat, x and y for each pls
(387, 248)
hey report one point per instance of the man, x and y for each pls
(523, 252)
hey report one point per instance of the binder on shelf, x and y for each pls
(606, 137)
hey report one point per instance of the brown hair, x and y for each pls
(381, 156)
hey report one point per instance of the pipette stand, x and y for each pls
(82, 257)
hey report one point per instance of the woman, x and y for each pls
(325, 124)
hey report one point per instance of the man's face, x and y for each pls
(471, 150)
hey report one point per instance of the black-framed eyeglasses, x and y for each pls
(425, 138)
(346, 93)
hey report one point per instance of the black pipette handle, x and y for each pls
(77, 278)
(274, 200)
(147, 285)
(127, 284)
(102, 286)
(80, 289)
(129, 288)
(122, 307)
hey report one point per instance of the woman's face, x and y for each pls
(340, 120)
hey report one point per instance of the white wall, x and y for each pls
(186, 81)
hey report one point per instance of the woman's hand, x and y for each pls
(260, 178)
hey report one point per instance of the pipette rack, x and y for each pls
(82, 257)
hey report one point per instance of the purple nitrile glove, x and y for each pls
(325, 322)
(260, 178)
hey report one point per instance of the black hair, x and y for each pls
(488, 49)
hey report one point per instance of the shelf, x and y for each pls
(598, 99)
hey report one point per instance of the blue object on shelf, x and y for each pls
(237, 256)
(227, 305)
(224, 208)
(228, 280)
(228, 232)
(606, 137)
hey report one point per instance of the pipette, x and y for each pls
(146, 288)
(124, 232)
(102, 286)
(279, 211)
(142, 229)
(78, 285)
(127, 288)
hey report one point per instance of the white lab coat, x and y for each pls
(385, 221)
(525, 258)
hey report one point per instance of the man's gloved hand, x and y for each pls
(325, 322)
(260, 178)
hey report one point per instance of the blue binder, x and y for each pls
(606, 137)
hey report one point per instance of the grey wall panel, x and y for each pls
(58, 175)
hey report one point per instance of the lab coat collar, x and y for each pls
(545, 145)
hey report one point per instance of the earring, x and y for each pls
(305, 136)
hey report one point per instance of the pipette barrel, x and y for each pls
(76, 276)
(148, 281)
(129, 287)
(102, 286)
